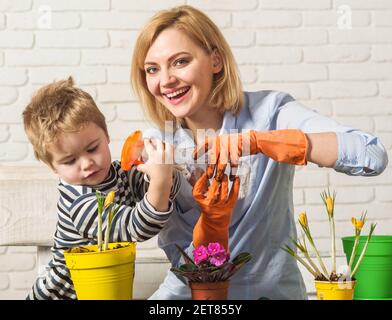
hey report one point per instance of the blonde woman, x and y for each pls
(183, 71)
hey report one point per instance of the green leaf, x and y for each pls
(100, 201)
(116, 207)
(188, 267)
(187, 259)
(242, 258)
(288, 250)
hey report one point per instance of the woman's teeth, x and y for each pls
(177, 93)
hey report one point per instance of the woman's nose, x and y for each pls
(167, 78)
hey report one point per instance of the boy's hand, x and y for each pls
(159, 168)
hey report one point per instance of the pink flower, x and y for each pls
(215, 248)
(217, 254)
(200, 254)
(218, 259)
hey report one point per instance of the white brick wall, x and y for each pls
(303, 47)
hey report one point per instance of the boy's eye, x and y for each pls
(69, 162)
(93, 149)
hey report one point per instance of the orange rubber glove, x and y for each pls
(216, 210)
(289, 146)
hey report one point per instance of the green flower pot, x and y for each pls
(374, 275)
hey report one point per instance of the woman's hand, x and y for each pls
(221, 150)
(289, 146)
(216, 210)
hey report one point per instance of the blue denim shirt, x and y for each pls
(263, 219)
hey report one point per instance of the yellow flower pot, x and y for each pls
(106, 275)
(335, 290)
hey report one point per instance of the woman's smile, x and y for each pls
(178, 96)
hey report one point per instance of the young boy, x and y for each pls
(69, 134)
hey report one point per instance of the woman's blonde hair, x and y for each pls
(227, 89)
(58, 108)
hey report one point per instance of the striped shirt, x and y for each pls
(77, 225)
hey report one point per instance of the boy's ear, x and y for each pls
(53, 169)
(50, 165)
(217, 63)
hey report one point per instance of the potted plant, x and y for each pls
(374, 275)
(210, 270)
(330, 285)
(103, 271)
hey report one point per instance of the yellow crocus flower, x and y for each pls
(109, 199)
(303, 220)
(358, 224)
(330, 204)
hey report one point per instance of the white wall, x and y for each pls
(304, 47)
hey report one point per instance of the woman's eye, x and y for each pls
(180, 62)
(151, 70)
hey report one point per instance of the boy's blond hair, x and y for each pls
(58, 108)
(227, 92)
